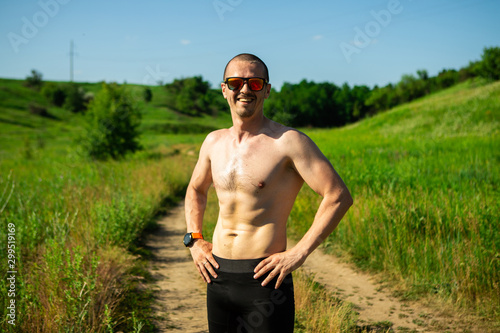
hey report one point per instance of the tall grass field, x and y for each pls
(424, 177)
(75, 225)
(425, 180)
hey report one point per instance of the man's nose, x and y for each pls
(245, 87)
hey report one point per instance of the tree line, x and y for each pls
(327, 105)
(113, 116)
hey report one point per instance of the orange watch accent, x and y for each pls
(197, 235)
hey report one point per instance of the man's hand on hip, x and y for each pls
(201, 251)
(280, 265)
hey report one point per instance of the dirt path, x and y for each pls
(181, 293)
(374, 304)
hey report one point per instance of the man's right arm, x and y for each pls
(195, 204)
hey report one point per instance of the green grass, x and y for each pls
(425, 178)
(79, 223)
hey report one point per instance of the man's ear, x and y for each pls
(268, 90)
(223, 88)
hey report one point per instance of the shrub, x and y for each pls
(35, 80)
(489, 67)
(75, 98)
(147, 94)
(188, 95)
(54, 93)
(112, 124)
(38, 110)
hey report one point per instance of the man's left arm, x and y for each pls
(315, 169)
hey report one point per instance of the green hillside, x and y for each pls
(159, 123)
(77, 223)
(424, 177)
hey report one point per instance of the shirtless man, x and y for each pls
(257, 168)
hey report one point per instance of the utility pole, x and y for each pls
(71, 53)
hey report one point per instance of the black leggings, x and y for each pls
(237, 303)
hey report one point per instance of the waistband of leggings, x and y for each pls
(237, 265)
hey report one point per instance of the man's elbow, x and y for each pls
(345, 199)
(349, 201)
(195, 193)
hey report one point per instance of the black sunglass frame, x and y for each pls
(245, 79)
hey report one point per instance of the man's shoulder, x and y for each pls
(216, 135)
(290, 135)
(295, 143)
(280, 131)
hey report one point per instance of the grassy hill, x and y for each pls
(424, 177)
(77, 224)
(159, 123)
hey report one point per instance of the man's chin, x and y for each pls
(245, 112)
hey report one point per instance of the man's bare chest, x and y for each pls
(248, 168)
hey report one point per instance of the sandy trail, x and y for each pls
(373, 303)
(181, 294)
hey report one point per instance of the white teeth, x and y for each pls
(245, 100)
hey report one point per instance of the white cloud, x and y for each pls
(185, 41)
(317, 37)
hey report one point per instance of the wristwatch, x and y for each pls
(190, 237)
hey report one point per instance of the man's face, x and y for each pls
(245, 102)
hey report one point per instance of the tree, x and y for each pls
(468, 72)
(360, 95)
(423, 74)
(189, 95)
(489, 66)
(446, 78)
(54, 93)
(75, 98)
(112, 124)
(35, 80)
(147, 94)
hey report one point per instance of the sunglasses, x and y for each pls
(254, 83)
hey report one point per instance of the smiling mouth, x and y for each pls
(246, 100)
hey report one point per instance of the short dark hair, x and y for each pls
(250, 58)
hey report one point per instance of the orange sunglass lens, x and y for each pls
(256, 84)
(235, 84)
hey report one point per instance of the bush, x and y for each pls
(112, 124)
(147, 94)
(489, 67)
(54, 93)
(38, 110)
(35, 80)
(75, 98)
(189, 95)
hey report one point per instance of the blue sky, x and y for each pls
(358, 42)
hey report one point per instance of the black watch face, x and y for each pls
(187, 239)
